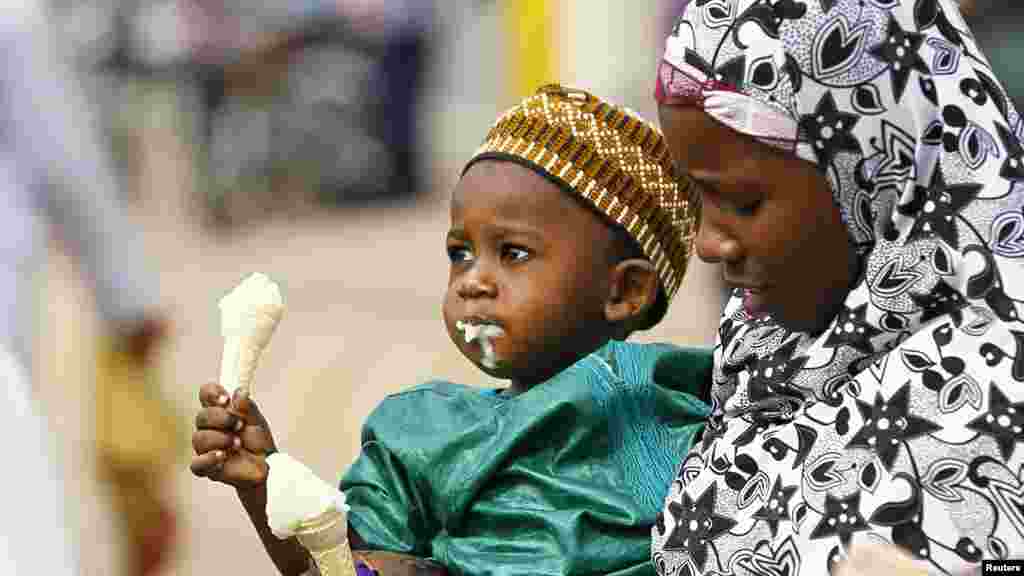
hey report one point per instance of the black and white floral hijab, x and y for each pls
(902, 422)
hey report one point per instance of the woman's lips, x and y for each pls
(754, 302)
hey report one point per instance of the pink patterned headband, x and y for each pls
(686, 85)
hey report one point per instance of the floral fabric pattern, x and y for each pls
(902, 422)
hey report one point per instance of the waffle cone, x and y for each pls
(326, 539)
(241, 356)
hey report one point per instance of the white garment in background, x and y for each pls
(53, 170)
(34, 536)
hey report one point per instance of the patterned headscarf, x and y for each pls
(903, 421)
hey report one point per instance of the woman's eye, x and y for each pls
(515, 253)
(735, 200)
(459, 254)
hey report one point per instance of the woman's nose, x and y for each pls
(713, 244)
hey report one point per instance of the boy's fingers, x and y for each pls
(204, 441)
(256, 439)
(244, 407)
(207, 465)
(213, 394)
(217, 419)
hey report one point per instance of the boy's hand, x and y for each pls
(232, 439)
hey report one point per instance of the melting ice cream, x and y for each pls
(295, 495)
(485, 333)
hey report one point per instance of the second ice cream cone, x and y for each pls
(326, 539)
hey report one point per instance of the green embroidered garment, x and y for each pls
(566, 478)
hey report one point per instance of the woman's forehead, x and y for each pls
(699, 143)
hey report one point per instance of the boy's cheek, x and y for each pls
(448, 310)
(449, 326)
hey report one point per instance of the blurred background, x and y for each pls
(316, 141)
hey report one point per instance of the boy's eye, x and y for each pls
(748, 209)
(457, 254)
(515, 253)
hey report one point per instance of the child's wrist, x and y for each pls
(255, 494)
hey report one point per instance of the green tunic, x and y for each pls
(566, 478)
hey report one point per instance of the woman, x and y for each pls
(861, 175)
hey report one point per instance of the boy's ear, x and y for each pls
(633, 290)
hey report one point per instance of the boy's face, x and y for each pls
(532, 263)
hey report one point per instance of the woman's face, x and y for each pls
(768, 218)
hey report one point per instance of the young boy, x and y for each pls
(569, 231)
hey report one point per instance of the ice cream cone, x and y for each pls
(249, 314)
(326, 539)
(301, 504)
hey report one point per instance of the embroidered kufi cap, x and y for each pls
(611, 158)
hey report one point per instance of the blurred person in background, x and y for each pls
(401, 29)
(54, 171)
(315, 95)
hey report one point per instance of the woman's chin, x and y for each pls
(811, 325)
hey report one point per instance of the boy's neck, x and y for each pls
(518, 386)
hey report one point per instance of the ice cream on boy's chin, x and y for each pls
(485, 333)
